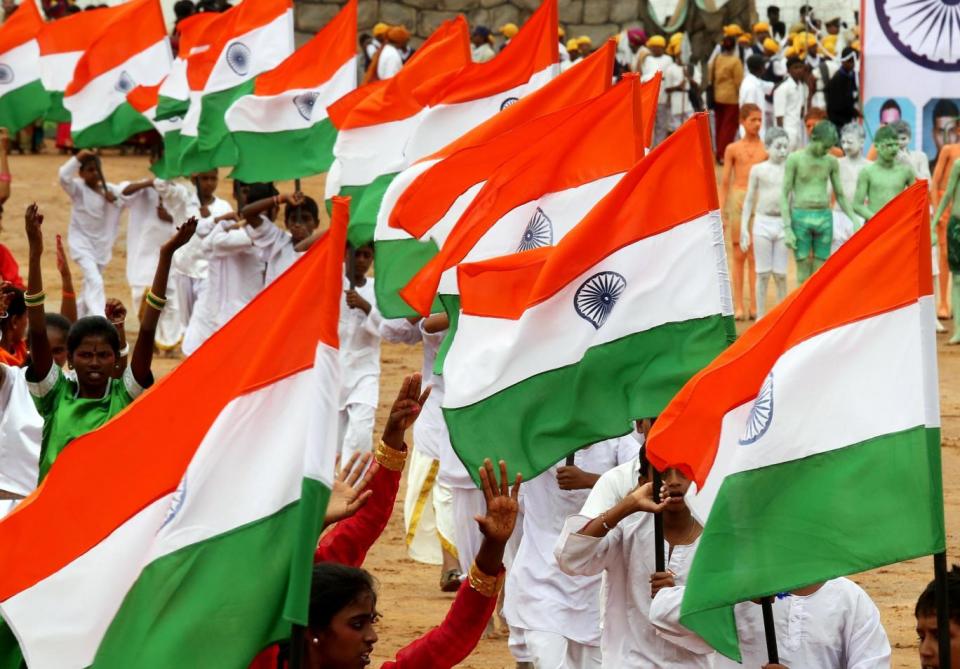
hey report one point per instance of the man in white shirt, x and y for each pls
(790, 102)
(391, 55)
(754, 90)
(658, 61)
(481, 49)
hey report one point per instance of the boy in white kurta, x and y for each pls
(149, 226)
(359, 356)
(620, 543)
(833, 625)
(278, 248)
(554, 616)
(94, 226)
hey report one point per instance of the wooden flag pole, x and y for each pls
(103, 181)
(296, 189)
(769, 630)
(943, 608)
(658, 557)
(570, 459)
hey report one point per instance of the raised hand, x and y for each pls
(641, 499)
(296, 199)
(348, 494)
(62, 265)
(115, 312)
(502, 503)
(34, 221)
(405, 409)
(181, 236)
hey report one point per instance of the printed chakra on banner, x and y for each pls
(539, 232)
(509, 101)
(926, 32)
(6, 75)
(176, 503)
(304, 104)
(238, 58)
(760, 414)
(125, 83)
(596, 297)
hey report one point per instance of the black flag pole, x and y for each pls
(296, 647)
(658, 556)
(769, 630)
(943, 608)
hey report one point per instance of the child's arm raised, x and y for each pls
(68, 301)
(137, 186)
(143, 351)
(4, 167)
(41, 359)
(251, 212)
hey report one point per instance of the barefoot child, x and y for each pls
(72, 408)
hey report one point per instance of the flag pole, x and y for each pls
(296, 189)
(769, 630)
(103, 181)
(658, 557)
(943, 608)
(296, 647)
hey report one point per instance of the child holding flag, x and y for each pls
(277, 248)
(927, 631)
(71, 408)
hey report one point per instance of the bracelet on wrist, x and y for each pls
(5, 177)
(603, 521)
(125, 351)
(68, 295)
(154, 301)
(485, 584)
(389, 457)
(34, 299)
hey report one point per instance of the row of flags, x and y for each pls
(585, 277)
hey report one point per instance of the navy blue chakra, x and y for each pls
(304, 104)
(125, 83)
(179, 497)
(761, 414)
(6, 74)
(539, 232)
(596, 297)
(509, 101)
(926, 32)
(238, 58)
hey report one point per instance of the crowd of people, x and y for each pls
(565, 561)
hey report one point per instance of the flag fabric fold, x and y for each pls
(174, 95)
(144, 100)
(563, 346)
(814, 440)
(190, 562)
(282, 130)
(23, 98)
(131, 50)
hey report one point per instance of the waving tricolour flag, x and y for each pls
(23, 98)
(814, 440)
(174, 94)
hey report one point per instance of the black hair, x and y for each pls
(927, 602)
(17, 307)
(793, 60)
(772, 9)
(945, 107)
(368, 245)
(890, 103)
(89, 158)
(309, 206)
(847, 51)
(333, 587)
(260, 191)
(755, 63)
(183, 8)
(57, 322)
(92, 326)
(644, 463)
(364, 37)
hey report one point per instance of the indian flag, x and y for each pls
(481, 90)
(131, 50)
(174, 94)
(202, 557)
(23, 98)
(62, 43)
(814, 441)
(144, 99)
(443, 184)
(375, 121)
(282, 130)
(563, 346)
(543, 191)
(247, 40)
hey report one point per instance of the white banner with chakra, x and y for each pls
(911, 69)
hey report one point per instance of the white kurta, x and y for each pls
(359, 349)
(274, 246)
(146, 233)
(626, 555)
(20, 431)
(790, 102)
(837, 627)
(390, 62)
(538, 595)
(181, 202)
(754, 90)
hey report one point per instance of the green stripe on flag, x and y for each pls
(290, 154)
(168, 108)
(567, 408)
(124, 122)
(395, 263)
(364, 206)
(10, 655)
(56, 112)
(313, 506)
(212, 127)
(168, 167)
(216, 603)
(820, 515)
(193, 160)
(22, 106)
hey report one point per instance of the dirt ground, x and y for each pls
(411, 601)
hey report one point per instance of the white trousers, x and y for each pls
(427, 511)
(546, 650)
(92, 300)
(169, 327)
(467, 504)
(769, 249)
(356, 430)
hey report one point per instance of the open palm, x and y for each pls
(502, 503)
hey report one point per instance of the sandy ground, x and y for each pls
(411, 601)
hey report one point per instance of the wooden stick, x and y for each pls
(296, 188)
(769, 630)
(658, 556)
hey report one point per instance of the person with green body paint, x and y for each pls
(953, 244)
(881, 181)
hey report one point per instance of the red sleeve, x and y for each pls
(9, 269)
(456, 637)
(350, 539)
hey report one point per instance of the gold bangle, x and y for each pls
(485, 584)
(390, 457)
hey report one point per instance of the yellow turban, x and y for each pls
(771, 45)
(762, 27)
(561, 32)
(676, 38)
(509, 30)
(673, 49)
(732, 30)
(829, 44)
(583, 39)
(398, 34)
(572, 45)
(657, 40)
(380, 29)
(855, 44)
(745, 39)
(811, 39)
